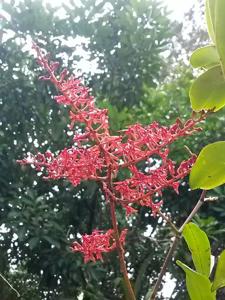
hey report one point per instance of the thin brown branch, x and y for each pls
(9, 284)
(164, 267)
(169, 222)
(174, 244)
(195, 210)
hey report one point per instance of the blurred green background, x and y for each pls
(134, 58)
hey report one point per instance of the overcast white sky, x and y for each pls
(179, 7)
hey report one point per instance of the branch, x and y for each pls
(175, 242)
(11, 287)
(195, 210)
(169, 222)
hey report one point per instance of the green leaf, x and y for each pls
(199, 247)
(208, 171)
(208, 90)
(220, 30)
(219, 280)
(210, 17)
(206, 57)
(198, 285)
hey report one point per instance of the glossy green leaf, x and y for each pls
(208, 90)
(208, 171)
(210, 17)
(219, 280)
(198, 285)
(220, 30)
(205, 57)
(199, 247)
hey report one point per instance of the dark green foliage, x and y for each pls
(42, 218)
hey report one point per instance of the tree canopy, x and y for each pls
(125, 41)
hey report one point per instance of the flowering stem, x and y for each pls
(97, 153)
(174, 244)
(120, 250)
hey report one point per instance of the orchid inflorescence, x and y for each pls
(96, 154)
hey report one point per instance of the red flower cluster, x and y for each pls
(73, 164)
(110, 153)
(144, 141)
(98, 155)
(141, 187)
(92, 246)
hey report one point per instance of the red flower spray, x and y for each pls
(97, 155)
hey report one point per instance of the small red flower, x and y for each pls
(92, 246)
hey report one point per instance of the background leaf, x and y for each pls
(208, 90)
(198, 285)
(210, 17)
(199, 247)
(220, 30)
(205, 57)
(219, 280)
(208, 171)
